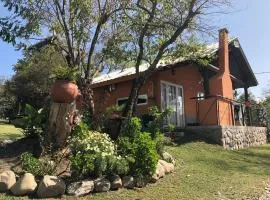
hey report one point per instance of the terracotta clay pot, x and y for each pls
(64, 91)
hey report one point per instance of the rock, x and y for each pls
(160, 172)
(51, 186)
(116, 182)
(168, 167)
(4, 143)
(102, 185)
(141, 183)
(80, 188)
(128, 182)
(168, 157)
(25, 185)
(7, 180)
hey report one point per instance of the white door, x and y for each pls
(172, 97)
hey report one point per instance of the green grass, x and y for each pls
(207, 172)
(8, 131)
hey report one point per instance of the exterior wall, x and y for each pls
(221, 83)
(191, 81)
(207, 109)
(231, 137)
(225, 113)
(105, 97)
(186, 76)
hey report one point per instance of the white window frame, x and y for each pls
(140, 96)
(183, 98)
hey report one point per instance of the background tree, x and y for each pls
(7, 102)
(162, 30)
(82, 28)
(32, 81)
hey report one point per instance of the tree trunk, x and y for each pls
(87, 96)
(60, 124)
(133, 98)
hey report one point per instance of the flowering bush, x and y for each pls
(94, 154)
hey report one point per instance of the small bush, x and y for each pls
(139, 148)
(146, 156)
(35, 166)
(30, 163)
(132, 128)
(34, 122)
(94, 154)
(155, 126)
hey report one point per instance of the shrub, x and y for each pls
(132, 128)
(155, 126)
(94, 154)
(30, 163)
(139, 148)
(66, 73)
(146, 156)
(35, 166)
(34, 121)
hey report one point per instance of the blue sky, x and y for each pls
(250, 22)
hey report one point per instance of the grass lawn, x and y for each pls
(207, 172)
(8, 131)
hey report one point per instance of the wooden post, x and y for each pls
(247, 108)
(59, 127)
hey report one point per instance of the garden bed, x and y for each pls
(204, 171)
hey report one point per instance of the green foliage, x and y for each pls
(31, 83)
(30, 163)
(7, 103)
(146, 156)
(66, 73)
(34, 121)
(94, 154)
(140, 149)
(160, 143)
(132, 128)
(156, 125)
(35, 166)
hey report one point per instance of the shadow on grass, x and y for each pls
(190, 138)
(247, 161)
(11, 136)
(20, 146)
(4, 122)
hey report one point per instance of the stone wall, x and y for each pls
(235, 137)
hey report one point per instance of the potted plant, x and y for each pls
(64, 89)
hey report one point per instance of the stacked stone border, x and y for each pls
(53, 187)
(231, 137)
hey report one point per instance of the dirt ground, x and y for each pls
(10, 152)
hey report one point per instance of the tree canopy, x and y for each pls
(32, 83)
(99, 35)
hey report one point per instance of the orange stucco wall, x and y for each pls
(215, 111)
(208, 111)
(191, 81)
(186, 76)
(104, 98)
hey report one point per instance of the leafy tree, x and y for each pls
(7, 102)
(31, 83)
(82, 28)
(160, 30)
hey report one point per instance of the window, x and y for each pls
(142, 100)
(200, 96)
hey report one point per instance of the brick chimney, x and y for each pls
(221, 83)
(223, 53)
